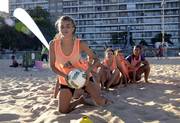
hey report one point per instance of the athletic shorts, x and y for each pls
(72, 89)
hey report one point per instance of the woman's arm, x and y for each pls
(52, 60)
(93, 60)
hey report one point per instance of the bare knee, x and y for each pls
(116, 73)
(64, 101)
(64, 111)
(147, 67)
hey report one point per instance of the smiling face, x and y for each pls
(66, 29)
(66, 26)
(109, 54)
(136, 51)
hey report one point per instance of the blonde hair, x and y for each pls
(117, 51)
(108, 50)
(65, 18)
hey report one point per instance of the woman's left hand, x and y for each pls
(87, 77)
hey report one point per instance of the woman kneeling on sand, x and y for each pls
(65, 50)
(140, 65)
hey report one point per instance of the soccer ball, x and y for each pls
(76, 78)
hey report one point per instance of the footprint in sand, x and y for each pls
(5, 93)
(42, 87)
(15, 91)
(11, 101)
(27, 106)
(37, 109)
(8, 117)
(151, 115)
(20, 96)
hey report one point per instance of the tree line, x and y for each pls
(20, 38)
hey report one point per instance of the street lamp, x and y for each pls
(162, 18)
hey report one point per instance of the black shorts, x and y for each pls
(72, 89)
(66, 87)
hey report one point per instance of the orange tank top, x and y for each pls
(61, 59)
(134, 62)
(124, 67)
(112, 66)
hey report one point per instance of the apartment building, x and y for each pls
(55, 9)
(98, 20)
(27, 4)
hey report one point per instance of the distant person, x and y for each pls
(143, 44)
(165, 49)
(44, 54)
(140, 65)
(160, 51)
(14, 62)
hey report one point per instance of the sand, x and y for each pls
(26, 96)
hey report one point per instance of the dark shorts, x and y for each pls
(72, 89)
(66, 87)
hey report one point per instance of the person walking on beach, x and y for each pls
(44, 54)
(65, 51)
(14, 62)
(140, 65)
(165, 49)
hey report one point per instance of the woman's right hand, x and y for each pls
(66, 78)
(68, 64)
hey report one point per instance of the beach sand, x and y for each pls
(26, 96)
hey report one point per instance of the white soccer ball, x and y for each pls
(76, 78)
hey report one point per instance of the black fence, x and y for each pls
(27, 58)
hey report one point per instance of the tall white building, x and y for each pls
(97, 20)
(55, 9)
(27, 4)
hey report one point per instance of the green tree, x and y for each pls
(18, 36)
(158, 38)
(143, 42)
(121, 38)
(42, 19)
(114, 38)
(118, 37)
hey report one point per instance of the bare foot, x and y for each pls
(107, 102)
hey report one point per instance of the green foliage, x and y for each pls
(143, 42)
(121, 38)
(10, 38)
(19, 37)
(158, 38)
(42, 19)
(114, 38)
(118, 37)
